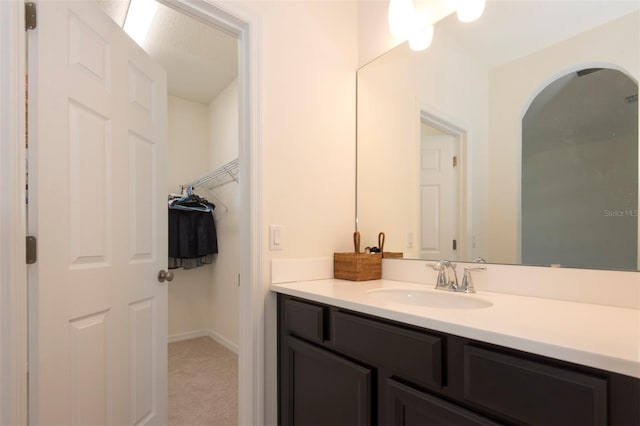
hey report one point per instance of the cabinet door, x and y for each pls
(533, 392)
(321, 388)
(407, 406)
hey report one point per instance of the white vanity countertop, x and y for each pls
(598, 336)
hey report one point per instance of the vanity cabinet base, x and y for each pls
(338, 367)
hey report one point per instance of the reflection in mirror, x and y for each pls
(482, 145)
(580, 172)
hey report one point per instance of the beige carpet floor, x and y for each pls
(203, 384)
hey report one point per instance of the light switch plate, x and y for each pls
(275, 237)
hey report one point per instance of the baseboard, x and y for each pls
(233, 347)
(188, 335)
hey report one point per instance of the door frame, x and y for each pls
(243, 24)
(440, 121)
(13, 270)
(231, 18)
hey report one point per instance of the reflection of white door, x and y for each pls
(97, 205)
(438, 197)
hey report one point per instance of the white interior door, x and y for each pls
(438, 197)
(98, 133)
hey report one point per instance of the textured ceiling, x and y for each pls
(200, 60)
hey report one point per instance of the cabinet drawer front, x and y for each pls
(407, 406)
(324, 389)
(533, 392)
(305, 320)
(411, 355)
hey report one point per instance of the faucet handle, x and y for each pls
(441, 267)
(444, 264)
(475, 268)
(438, 266)
(467, 282)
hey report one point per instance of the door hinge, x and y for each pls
(455, 161)
(30, 18)
(32, 249)
(455, 244)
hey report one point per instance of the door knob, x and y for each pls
(165, 276)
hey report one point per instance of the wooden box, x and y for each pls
(357, 266)
(393, 254)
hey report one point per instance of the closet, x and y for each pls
(203, 301)
(202, 156)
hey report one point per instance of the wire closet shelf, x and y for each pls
(218, 177)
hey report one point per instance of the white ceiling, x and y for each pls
(511, 29)
(200, 60)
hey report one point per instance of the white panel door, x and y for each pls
(438, 195)
(97, 205)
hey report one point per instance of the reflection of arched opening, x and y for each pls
(580, 172)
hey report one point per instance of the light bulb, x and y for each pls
(470, 10)
(400, 18)
(421, 39)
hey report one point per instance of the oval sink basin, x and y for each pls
(430, 299)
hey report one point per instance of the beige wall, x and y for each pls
(515, 85)
(188, 151)
(308, 56)
(223, 126)
(308, 131)
(188, 158)
(223, 147)
(374, 37)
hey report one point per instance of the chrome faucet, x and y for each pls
(447, 277)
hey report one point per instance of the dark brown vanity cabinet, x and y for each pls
(338, 367)
(324, 388)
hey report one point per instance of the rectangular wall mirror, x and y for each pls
(513, 138)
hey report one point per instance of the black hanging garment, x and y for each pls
(192, 233)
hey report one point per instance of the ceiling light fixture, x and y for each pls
(139, 18)
(421, 39)
(406, 23)
(470, 10)
(416, 26)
